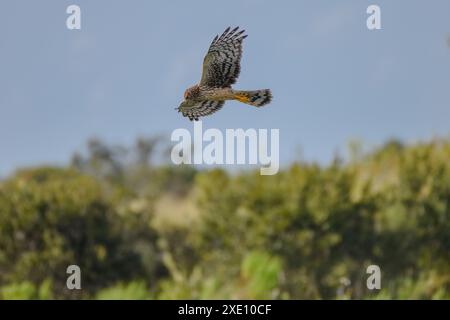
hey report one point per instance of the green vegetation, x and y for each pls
(139, 230)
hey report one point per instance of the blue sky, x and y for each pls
(123, 73)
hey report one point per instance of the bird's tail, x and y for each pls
(257, 98)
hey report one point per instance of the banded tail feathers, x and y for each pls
(257, 98)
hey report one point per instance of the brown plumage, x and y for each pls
(221, 68)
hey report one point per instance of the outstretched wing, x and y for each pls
(221, 66)
(196, 110)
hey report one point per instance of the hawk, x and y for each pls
(221, 68)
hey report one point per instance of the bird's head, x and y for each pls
(189, 102)
(192, 92)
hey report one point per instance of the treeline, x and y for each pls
(142, 229)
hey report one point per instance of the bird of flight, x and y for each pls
(221, 68)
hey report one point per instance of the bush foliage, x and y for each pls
(140, 230)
